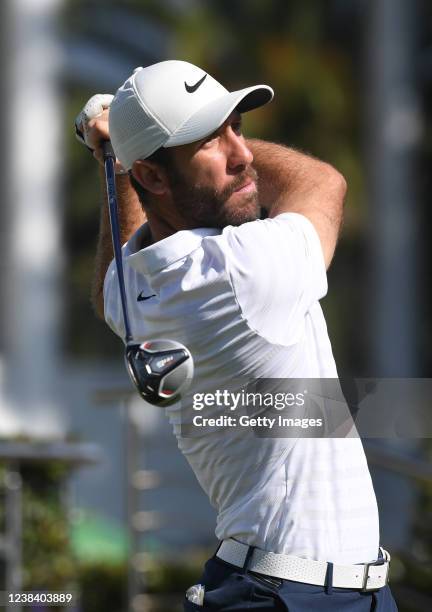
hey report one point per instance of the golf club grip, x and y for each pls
(109, 163)
(107, 150)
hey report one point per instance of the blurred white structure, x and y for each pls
(34, 260)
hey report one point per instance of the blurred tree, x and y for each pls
(48, 563)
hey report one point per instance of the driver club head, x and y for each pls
(161, 370)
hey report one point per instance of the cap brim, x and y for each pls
(209, 118)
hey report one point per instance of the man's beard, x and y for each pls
(202, 206)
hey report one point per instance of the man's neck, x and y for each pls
(161, 228)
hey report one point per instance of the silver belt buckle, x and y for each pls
(365, 588)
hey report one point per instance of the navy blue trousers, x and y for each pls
(231, 589)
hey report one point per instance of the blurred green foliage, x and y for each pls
(165, 580)
(174, 575)
(103, 587)
(48, 563)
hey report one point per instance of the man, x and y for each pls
(297, 517)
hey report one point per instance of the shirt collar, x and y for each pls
(161, 254)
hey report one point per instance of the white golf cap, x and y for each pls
(172, 103)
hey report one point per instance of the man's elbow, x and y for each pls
(341, 187)
(336, 184)
(333, 194)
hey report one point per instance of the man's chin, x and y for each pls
(241, 213)
(240, 219)
(204, 207)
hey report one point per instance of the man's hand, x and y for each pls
(91, 126)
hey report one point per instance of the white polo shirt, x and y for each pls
(244, 300)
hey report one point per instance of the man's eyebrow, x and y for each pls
(212, 134)
(234, 117)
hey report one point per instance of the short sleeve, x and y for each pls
(277, 272)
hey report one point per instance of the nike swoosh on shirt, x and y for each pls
(142, 297)
(192, 88)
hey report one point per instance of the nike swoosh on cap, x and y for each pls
(142, 297)
(192, 88)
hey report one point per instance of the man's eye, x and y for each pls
(237, 127)
(209, 139)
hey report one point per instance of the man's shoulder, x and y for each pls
(270, 232)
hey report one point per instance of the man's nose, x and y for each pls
(239, 153)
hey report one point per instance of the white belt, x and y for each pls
(365, 577)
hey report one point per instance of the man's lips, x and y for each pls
(248, 187)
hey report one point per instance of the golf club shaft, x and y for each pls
(109, 163)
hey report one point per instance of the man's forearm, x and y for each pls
(290, 181)
(131, 217)
(284, 173)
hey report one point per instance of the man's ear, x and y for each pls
(151, 176)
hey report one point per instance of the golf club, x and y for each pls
(161, 369)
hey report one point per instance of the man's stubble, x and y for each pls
(203, 206)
